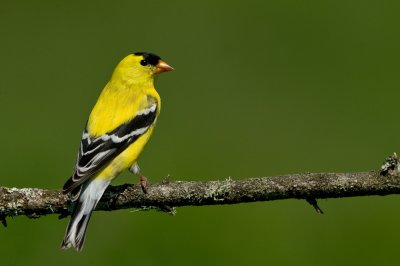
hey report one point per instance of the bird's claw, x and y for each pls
(143, 183)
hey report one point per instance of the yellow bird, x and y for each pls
(116, 132)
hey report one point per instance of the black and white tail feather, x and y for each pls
(90, 196)
(94, 154)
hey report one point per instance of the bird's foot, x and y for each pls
(143, 183)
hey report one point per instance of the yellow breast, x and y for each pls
(127, 158)
(118, 104)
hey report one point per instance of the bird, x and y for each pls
(119, 126)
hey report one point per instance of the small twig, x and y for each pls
(313, 202)
(390, 165)
(3, 220)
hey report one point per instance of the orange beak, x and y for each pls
(163, 67)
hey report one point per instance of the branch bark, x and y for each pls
(34, 202)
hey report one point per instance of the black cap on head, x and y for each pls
(152, 59)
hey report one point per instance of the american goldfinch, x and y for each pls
(116, 132)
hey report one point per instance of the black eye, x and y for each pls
(143, 63)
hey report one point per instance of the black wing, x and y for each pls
(95, 153)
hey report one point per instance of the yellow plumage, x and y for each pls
(112, 110)
(117, 130)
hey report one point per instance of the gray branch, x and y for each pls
(34, 202)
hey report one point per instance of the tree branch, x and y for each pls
(34, 202)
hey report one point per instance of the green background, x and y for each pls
(261, 88)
